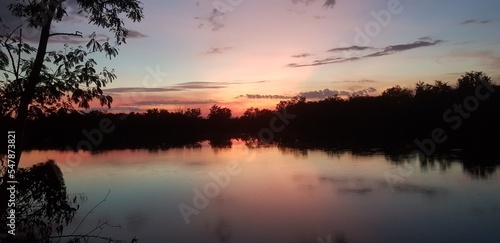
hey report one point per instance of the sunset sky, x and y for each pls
(257, 52)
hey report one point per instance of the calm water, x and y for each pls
(269, 194)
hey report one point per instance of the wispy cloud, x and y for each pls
(316, 94)
(364, 92)
(474, 21)
(321, 94)
(169, 102)
(327, 3)
(355, 81)
(404, 47)
(214, 19)
(350, 48)
(218, 50)
(182, 86)
(468, 22)
(136, 34)
(378, 52)
(140, 89)
(425, 38)
(201, 85)
(258, 96)
(302, 55)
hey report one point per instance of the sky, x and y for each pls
(254, 53)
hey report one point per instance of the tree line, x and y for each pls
(466, 114)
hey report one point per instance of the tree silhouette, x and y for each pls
(193, 112)
(218, 113)
(397, 92)
(53, 80)
(471, 80)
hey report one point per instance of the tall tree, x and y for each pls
(35, 80)
(218, 113)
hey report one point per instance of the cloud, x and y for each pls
(258, 96)
(217, 50)
(350, 48)
(217, 15)
(364, 92)
(170, 102)
(181, 87)
(468, 22)
(139, 89)
(356, 81)
(321, 94)
(425, 38)
(404, 47)
(136, 34)
(317, 94)
(215, 19)
(328, 3)
(389, 50)
(201, 85)
(359, 191)
(69, 39)
(419, 189)
(472, 21)
(302, 55)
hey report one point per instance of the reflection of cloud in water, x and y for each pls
(195, 163)
(488, 211)
(418, 189)
(363, 186)
(359, 191)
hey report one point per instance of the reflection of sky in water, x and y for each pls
(280, 196)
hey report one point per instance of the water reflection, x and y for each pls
(220, 143)
(475, 167)
(43, 208)
(289, 195)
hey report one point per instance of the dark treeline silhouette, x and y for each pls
(466, 115)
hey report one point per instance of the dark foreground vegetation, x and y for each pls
(431, 117)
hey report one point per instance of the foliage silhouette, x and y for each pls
(44, 209)
(36, 80)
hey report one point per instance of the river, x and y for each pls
(246, 193)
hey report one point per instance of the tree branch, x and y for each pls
(91, 210)
(109, 239)
(13, 63)
(19, 53)
(77, 33)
